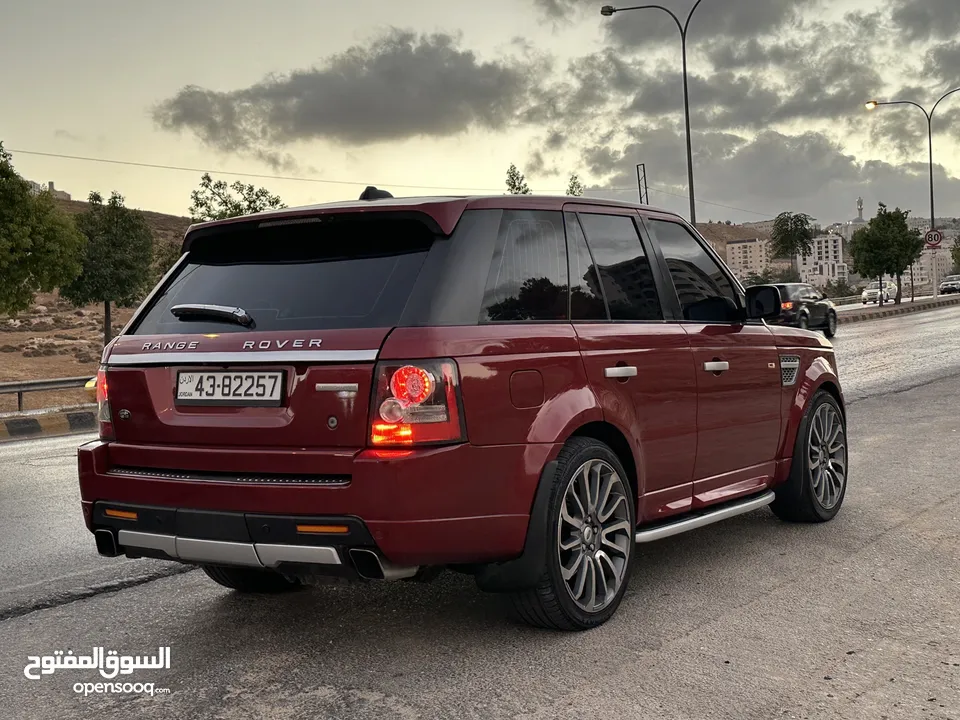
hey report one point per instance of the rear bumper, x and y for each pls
(460, 504)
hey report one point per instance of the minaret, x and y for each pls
(860, 208)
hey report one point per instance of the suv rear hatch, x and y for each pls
(266, 335)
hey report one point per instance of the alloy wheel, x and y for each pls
(827, 456)
(594, 536)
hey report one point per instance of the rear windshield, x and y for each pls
(304, 276)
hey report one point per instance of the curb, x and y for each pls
(68, 421)
(851, 317)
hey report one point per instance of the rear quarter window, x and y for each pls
(298, 276)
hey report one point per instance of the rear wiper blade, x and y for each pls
(213, 312)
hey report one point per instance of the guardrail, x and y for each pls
(8, 388)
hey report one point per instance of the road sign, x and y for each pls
(933, 238)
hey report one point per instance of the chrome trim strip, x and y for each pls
(665, 531)
(272, 555)
(338, 387)
(148, 541)
(235, 358)
(221, 552)
(218, 552)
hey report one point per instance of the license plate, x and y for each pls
(230, 388)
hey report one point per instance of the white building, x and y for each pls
(825, 263)
(747, 257)
(36, 188)
(761, 226)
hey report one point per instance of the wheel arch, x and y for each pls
(616, 440)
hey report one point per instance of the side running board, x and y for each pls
(708, 518)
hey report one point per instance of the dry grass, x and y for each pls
(52, 340)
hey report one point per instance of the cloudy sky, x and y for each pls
(423, 96)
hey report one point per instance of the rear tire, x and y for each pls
(803, 322)
(589, 482)
(817, 484)
(250, 580)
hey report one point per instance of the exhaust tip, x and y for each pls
(366, 563)
(106, 543)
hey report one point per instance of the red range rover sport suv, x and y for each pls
(519, 388)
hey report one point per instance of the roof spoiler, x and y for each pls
(373, 193)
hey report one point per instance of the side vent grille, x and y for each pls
(789, 369)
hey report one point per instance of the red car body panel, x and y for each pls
(696, 438)
(656, 409)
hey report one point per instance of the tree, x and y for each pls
(165, 254)
(40, 247)
(116, 262)
(886, 246)
(575, 187)
(516, 182)
(216, 200)
(840, 288)
(792, 236)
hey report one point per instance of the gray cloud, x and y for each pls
(61, 134)
(401, 85)
(943, 63)
(927, 19)
(773, 172)
(730, 20)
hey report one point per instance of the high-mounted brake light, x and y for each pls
(416, 404)
(104, 417)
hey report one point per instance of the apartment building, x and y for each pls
(825, 263)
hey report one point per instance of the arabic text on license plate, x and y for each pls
(229, 388)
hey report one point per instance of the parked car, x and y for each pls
(804, 306)
(950, 284)
(516, 387)
(871, 293)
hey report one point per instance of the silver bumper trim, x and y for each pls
(221, 552)
(148, 541)
(217, 552)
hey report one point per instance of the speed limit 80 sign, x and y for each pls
(933, 238)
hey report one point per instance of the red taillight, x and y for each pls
(416, 404)
(787, 305)
(104, 417)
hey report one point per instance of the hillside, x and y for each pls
(719, 235)
(166, 228)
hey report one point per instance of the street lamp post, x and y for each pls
(873, 104)
(607, 11)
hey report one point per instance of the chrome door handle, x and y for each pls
(620, 371)
(716, 366)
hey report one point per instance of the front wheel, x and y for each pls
(590, 546)
(831, 329)
(817, 484)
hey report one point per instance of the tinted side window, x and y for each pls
(624, 268)
(586, 299)
(528, 275)
(705, 293)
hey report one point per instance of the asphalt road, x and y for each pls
(752, 618)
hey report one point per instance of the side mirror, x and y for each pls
(763, 302)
